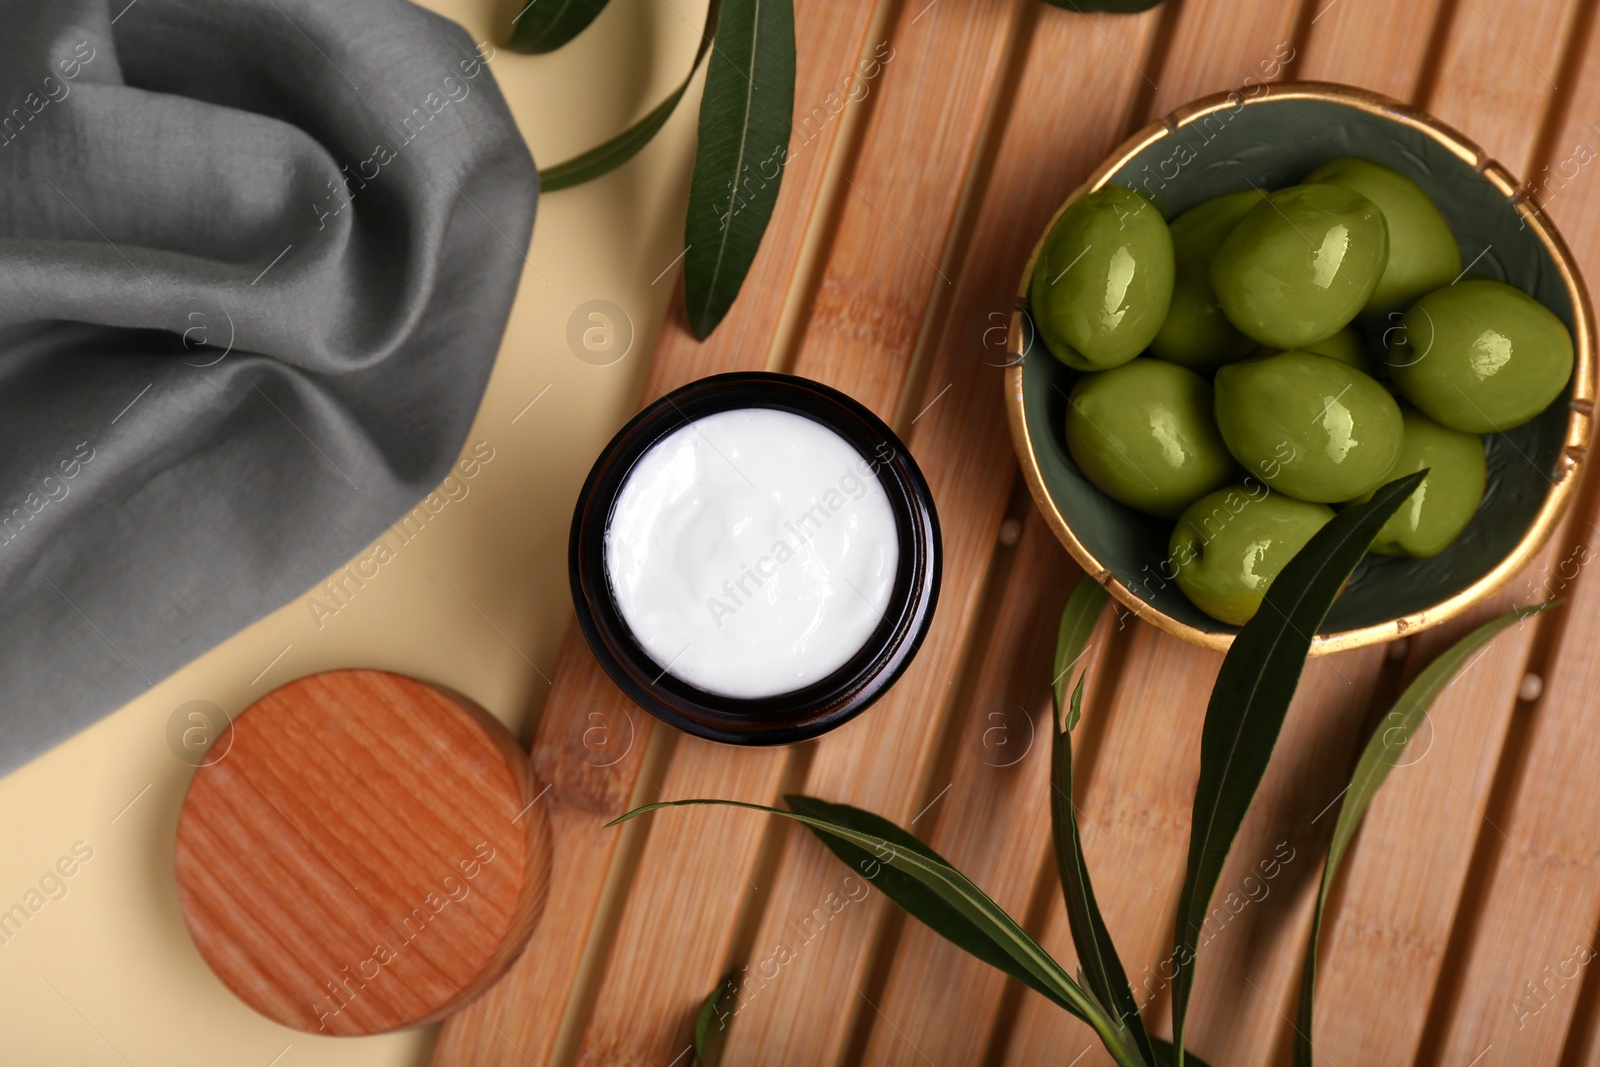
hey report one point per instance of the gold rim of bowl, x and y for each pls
(1579, 421)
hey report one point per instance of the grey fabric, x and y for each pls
(256, 257)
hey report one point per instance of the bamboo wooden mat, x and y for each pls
(903, 224)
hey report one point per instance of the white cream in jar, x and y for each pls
(752, 552)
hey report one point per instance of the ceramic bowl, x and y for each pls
(1272, 136)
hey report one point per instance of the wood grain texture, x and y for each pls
(835, 78)
(994, 827)
(899, 202)
(1135, 811)
(586, 721)
(1532, 931)
(1376, 44)
(1140, 800)
(1497, 74)
(357, 854)
(1539, 895)
(1571, 195)
(1313, 760)
(1379, 941)
(1382, 949)
(517, 1021)
(900, 214)
(875, 253)
(901, 303)
(682, 913)
(1218, 44)
(1246, 984)
(988, 816)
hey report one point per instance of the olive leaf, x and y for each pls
(906, 890)
(1114, 7)
(1388, 741)
(708, 1041)
(1077, 623)
(917, 879)
(1097, 956)
(1167, 1054)
(1257, 681)
(545, 25)
(607, 157)
(745, 117)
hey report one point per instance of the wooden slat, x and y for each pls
(1248, 973)
(1542, 883)
(881, 277)
(1218, 44)
(900, 200)
(912, 170)
(1255, 950)
(1540, 890)
(1266, 963)
(990, 822)
(1376, 44)
(681, 914)
(1373, 932)
(1498, 70)
(693, 910)
(1137, 801)
(1143, 786)
(516, 1022)
(989, 817)
(1573, 201)
(1151, 756)
(1383, 950)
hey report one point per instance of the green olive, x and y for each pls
(1103, 280)
(1308, 426)
(1346, 346)
(1228, 546)
(1300, 266)
(1448, 498)
(1481, 356)
(1423, 254)
(1196, 333)
(1144, 434)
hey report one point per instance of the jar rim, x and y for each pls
(814, 709)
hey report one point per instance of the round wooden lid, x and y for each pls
(360, 853)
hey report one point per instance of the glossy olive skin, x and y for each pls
(1228, 546)
(1346, 346)
(1482, 356)
(1309, 426)
(1448, 498)
(1423, 254)
(1196, 333)
(1143, 433)
(1302, 265)
(1103, 280)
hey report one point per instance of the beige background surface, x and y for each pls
(479, 602)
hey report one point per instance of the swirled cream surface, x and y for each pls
(752, 552)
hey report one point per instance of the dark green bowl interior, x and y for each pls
(1274, 143)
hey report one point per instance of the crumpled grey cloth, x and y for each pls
(256, 257)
